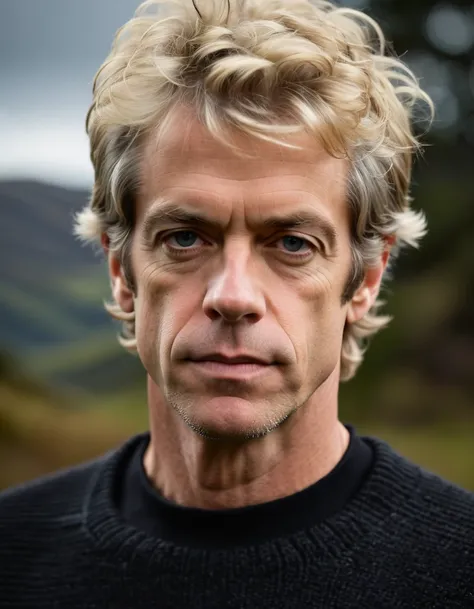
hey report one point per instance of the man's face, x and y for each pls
(238, 282)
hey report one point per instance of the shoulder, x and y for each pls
(445, 509)
(58, 500)
(419, 531)
(41, 522)
(435, 504)
(55, 502)
(42, 531)
(428, 527)
(440, 541)
(49, 497)
(63, 491)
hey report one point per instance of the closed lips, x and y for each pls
(240, 359)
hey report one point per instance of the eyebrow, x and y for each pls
(167, 211)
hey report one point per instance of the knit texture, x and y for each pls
(406, 539)
(144, 507)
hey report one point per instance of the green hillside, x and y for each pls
(51, 293)
(419, 369)
(42, 430)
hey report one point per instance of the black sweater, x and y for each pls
(405, 538)
(145, 508)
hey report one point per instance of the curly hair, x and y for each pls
(268, 68)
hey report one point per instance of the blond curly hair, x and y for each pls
(269, 68)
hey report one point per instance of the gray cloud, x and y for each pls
(49, 53)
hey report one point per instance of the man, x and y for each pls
(252, 168)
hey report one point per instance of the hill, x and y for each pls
(51, 293)
(420, 369)
(40, 432)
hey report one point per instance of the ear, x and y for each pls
(122, 294)
(366, 294)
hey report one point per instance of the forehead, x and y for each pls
(187, 161)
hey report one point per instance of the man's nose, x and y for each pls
(234, 292)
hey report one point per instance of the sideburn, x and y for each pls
(354, 278)
(126, 263)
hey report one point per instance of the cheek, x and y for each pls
(152, 310)
(315, 320)
(163, 305)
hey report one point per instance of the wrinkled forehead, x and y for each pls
(185, 145)
(189, 169)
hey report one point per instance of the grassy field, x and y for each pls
(448, 452)
(39, 435)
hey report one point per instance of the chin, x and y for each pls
(228, 435)
(231, 418)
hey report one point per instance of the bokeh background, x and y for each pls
(68, 392)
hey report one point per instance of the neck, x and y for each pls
(197, 472)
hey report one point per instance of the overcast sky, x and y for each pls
(49, 53)
(51, 49)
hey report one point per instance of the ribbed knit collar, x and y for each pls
(387, 487)
(144, 507)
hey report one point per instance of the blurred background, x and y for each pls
(67, 390)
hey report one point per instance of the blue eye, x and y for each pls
(188, 242)
(293, 243)
(184, 238)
